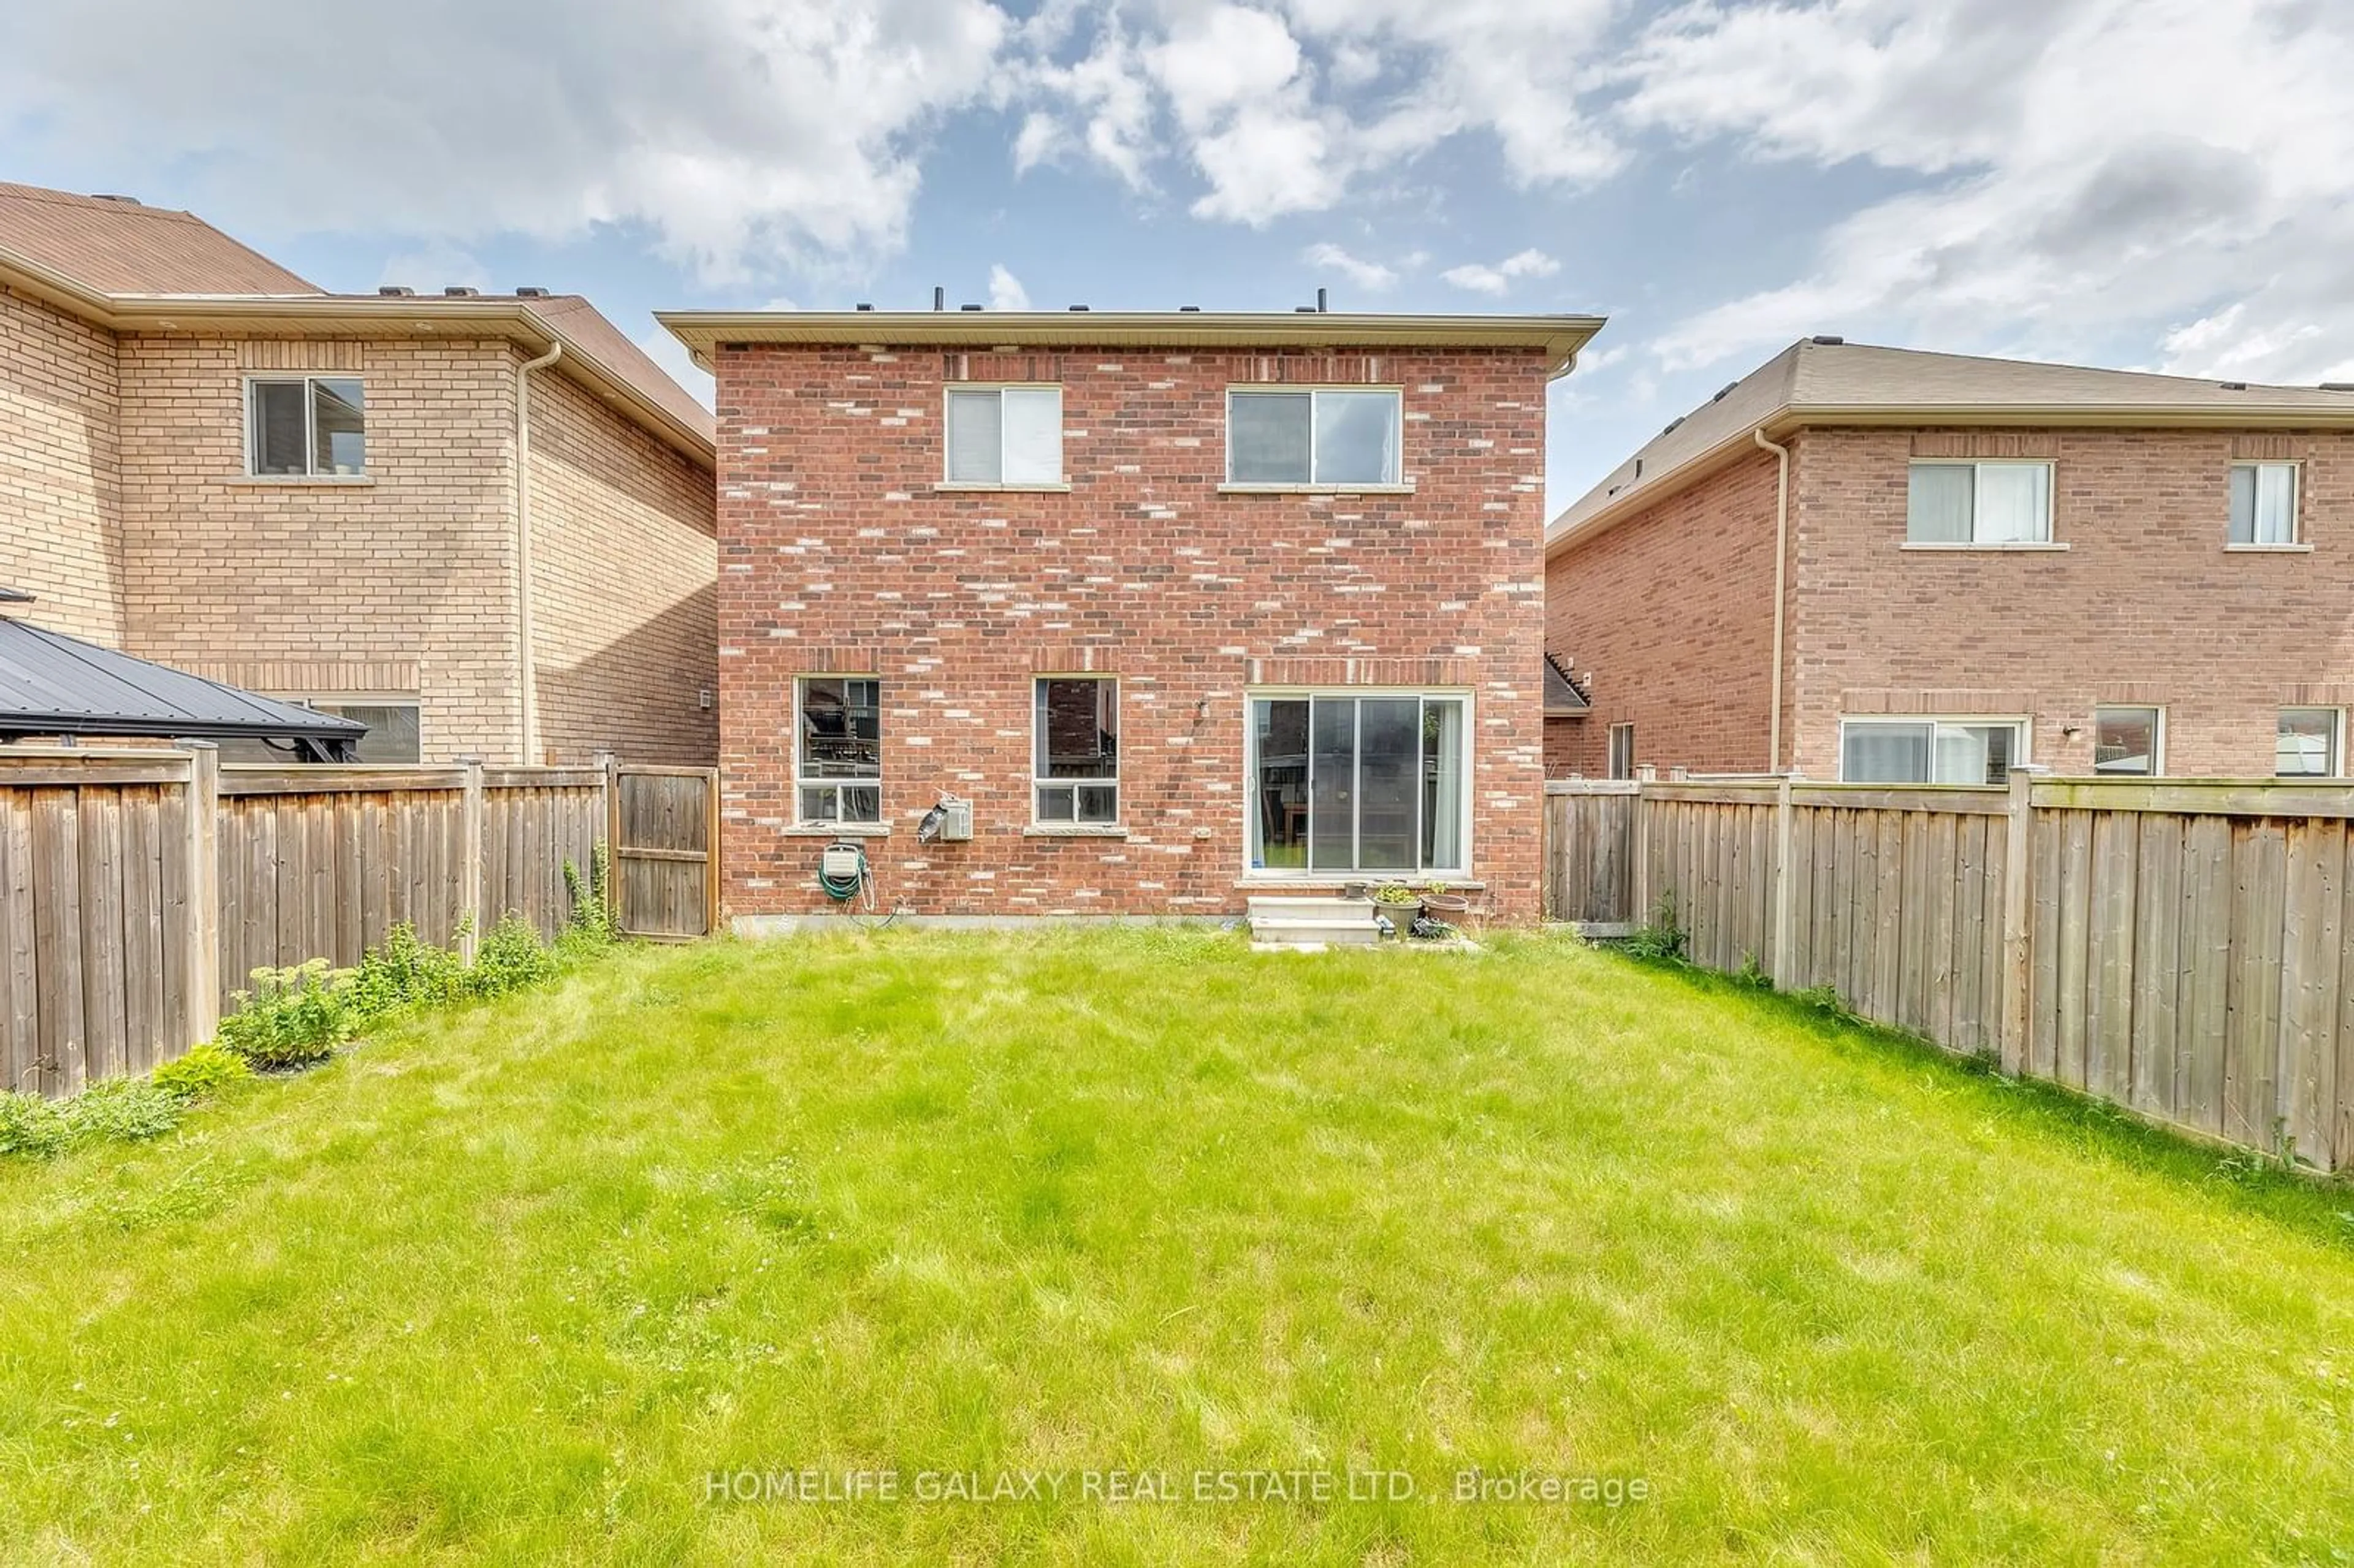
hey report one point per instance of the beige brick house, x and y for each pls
(481, 525)
(1883, 565)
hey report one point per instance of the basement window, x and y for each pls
(839, 756)
(1075, 750)
(1005, 435)
(1315, 437)
(305, 427)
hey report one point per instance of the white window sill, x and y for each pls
(2024, 547)
(965, 487)
(303, 479)
(1316, 490)
(2268, 550)
(839, 831)
(1075, 830)
(1453, 880)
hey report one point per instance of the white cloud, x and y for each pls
(1369, 276)
(1005, 290)
(2086, 172)
(741, 133)
(1285, 109)
(1486, 280)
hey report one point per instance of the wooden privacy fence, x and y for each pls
(2183, 948)
(140, 888)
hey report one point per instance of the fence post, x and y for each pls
(469, 853)
(2017, 935)
(1782, 815)
(611, 767)
(1641, 913)
(202, 848)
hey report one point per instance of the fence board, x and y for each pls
(2187, 949)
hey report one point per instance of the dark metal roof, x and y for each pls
(54, 685)
(1561, 692)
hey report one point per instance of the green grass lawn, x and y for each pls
(518, 1283)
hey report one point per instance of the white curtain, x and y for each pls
(1885, 754)
(1033, 435)
(1442, 829)
(2014, 503)
(1938, 511)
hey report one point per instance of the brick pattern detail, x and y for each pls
(624, 608)
(1672, 613)
(60, 486)
(125, 506)
(837, 553)
(2146, 606)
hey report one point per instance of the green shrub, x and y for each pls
(289, 1018)
(32, 1126)
(591, 924)
(1752, 974)
(1664, 937)
(510, 957)
(404, 970)
(206, 1069)
(129, 1109)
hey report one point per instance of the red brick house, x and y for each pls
(1881, 565)
(1186, 606)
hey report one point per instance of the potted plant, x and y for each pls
(1441, 904)
(1400, 902)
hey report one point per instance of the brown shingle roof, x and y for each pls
(582, 324)
(115, 247)
(1829, 382)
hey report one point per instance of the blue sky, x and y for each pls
(2155, 184)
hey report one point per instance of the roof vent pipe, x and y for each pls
(866, 305)
(968, 307)
(1323, 304)
(939, 298)
(1826, 340)
(1079, 310)
(1189, 310)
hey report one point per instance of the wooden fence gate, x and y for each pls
(665, 831)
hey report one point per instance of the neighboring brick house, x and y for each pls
(1187, 606)
(1983, 562)
(208, 462)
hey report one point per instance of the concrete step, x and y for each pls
(1298, 932)
(1309, 905)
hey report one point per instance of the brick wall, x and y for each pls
(624, 615)
(836, 553)
(1672, 612)
(2143, 606)
(415, 564)
(60, 517)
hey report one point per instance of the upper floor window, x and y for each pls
(2305, 743)
(1980, 503)
(1005, 435)
(2263, 503)
(839, 754)
(1621, 760)
(1077, 749)
(1321, 436)
(306, 427)
(1930, 751)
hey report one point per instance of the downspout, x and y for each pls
(526, 671)
(1781, 568)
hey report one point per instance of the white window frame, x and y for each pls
(1315, 392)
(1039, 783)
(948, 458)
(2049, 541)
(2157, 738)
(2295, 542)
(1611, 766)
(2335, 767)
(2022, 725)
(312, 473)
(1302, 875)
(875, 782)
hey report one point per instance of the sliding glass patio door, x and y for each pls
(1343, 784)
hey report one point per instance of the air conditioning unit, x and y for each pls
(957, 828)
